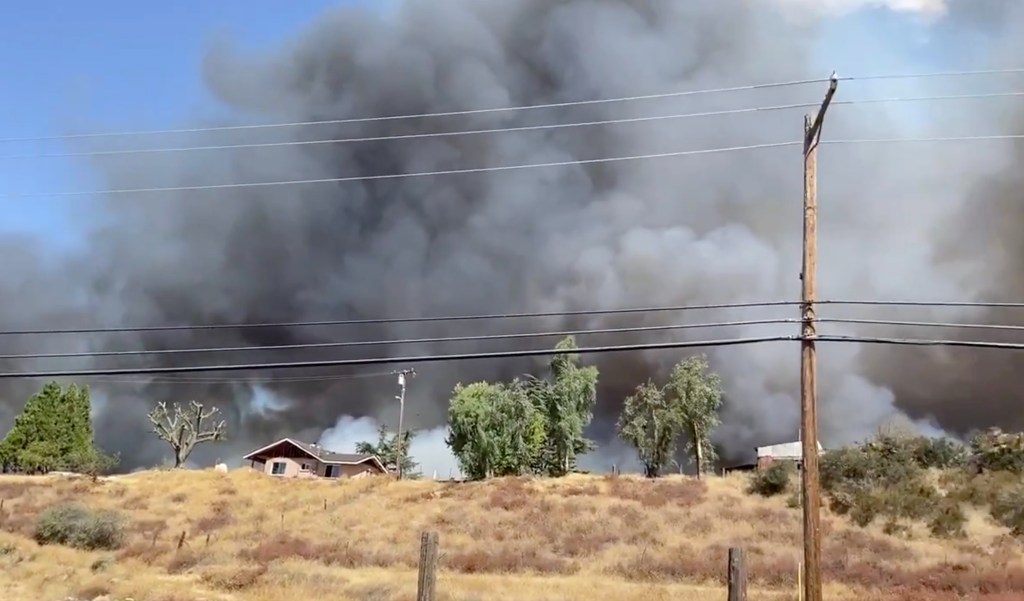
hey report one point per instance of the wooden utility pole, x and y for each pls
(400, 451)
(811, 490)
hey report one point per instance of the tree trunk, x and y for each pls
(698, 445)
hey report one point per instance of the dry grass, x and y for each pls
(251, 538)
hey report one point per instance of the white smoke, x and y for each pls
(428, 448)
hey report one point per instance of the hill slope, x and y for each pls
(250, 537)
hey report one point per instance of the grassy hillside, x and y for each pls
(250, 537)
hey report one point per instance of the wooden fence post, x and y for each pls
(425, 589)
(737, 575)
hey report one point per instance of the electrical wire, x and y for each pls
(506, 109)
(503, 355)
(526, 128)
(933, 74)
(881, 303)
(921, 342)
(933, 139)
(443, 134)
(678, 94)
(925, 324)
(397, 320)
(362, 178)
(395, 360)
(356, 343)
(229, 381)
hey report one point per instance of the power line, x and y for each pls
(881, 303)
(934, 74)
(425, 115)
(395, 360)
(397, 320)
(361, 178)
(932, 139)
(921, 342)
(228, 381)
(526, 128)
(678, 94)
(926, 324)
(255, 380)
(414, 136)
(408, 341)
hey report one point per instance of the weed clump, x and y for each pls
(948, 521)
(772, 481)
(76, 526)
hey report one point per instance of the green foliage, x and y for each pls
(566, 404)
(939, 453)
(1008, 509)
(494, 429)
(997, 453)
(887, 477)
(75, 526)
(650, 423)
(697, 395)
(948, 520)
(529, 425)
(386, 449)
(772, 481)
(654, 418)
(54, 432)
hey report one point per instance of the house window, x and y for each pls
(305, 467)
(332, 471)
(277, 468)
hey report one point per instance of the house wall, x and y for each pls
(293, 467)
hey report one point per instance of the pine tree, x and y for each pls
(54, 431)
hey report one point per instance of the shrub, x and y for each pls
(948, 521)
(772, 481)
(913, 499)
(75, 526)
(865, 507)
(1008, 509)
(939, 453)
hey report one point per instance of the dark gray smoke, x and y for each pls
(712, 228)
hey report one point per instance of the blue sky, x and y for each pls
(105, 64)
(112, 64)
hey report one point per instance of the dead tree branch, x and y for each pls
(184, 428)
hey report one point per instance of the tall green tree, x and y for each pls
(494, 429)
(386, 449)
(54, 432)
(567, 405)
(696, 393)
(651, 424)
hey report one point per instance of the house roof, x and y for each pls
(788, 450)
(321, 454)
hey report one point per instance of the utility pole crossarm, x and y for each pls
(812, 135)
(811, 488)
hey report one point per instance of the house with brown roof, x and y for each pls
(288, 458)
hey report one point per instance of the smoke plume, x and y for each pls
(896, 222)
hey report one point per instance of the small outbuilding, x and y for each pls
(789, 451)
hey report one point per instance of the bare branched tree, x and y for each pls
(185, 428)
